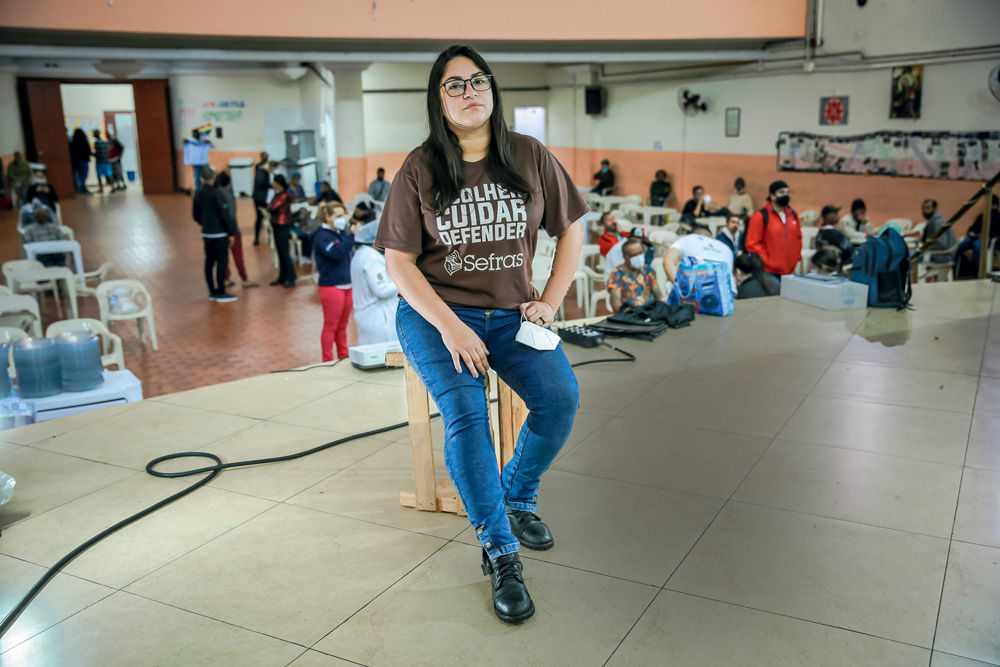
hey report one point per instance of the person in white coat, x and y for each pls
(375, 295)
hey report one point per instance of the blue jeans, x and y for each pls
(197, 175)
(80, 170)
(543, 379)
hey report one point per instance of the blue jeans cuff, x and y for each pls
(503, 551)
(524, 507)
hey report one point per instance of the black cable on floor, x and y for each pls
(219, 466)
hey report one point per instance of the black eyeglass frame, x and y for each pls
(468, 82)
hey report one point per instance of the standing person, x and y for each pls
(18, 177)
(333, 246)
(375, 295)
(102, 157)
(281, 222)
(660, 189)
(467, 289)
(115, 151)
(218, 225)
(379, 188)
(605, 179)
(261, 185)
(196, 155)
(224, 184)
(740, 202)
(774, 232)
(935, 221)
(80, 154)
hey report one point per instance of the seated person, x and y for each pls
(731, 234)
(295, 189)
(363, 214)
(326, 194)
(740, 202)
(44, 228)
(751, 279)
(29, 211)
(936, 221)
(967, 255)
(605, 179)
(699, 206)
(42, 191)
(700, 246)
(634, 282)
(379, 188)
(826, 262)
(616, 256)
(660, 190)
(830, 238)
(858, 218)
(612, 235)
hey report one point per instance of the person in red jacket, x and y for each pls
(777, 238)
(612, 235)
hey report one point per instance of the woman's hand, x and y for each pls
(465, 345)
(539, 312)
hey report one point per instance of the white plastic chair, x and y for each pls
(35, 289)
(266, 223)
(67, 233)
(592, 222)
(809, 217)
(5, 291)
(545, 247)
(809, 237)
(905, 225)
(10, 335)
(100, 275)
(364, 197)
(111, 344)
(142, 315)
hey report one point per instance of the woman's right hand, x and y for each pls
(465, 345)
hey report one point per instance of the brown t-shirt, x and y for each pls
(478, 253)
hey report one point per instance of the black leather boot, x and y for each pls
(529, 530)
(511, 602)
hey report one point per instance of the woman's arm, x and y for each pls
(672, 260)
(563, 272)
(461, 341)
(339, 249)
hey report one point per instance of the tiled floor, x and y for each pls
(784, 486)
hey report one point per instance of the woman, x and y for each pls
(751, 279)
(281, 222)
(236, 245)
(659, 190)
(375, 295)
(459, 229)
(80, 154)
(333, 246)
(826, 262)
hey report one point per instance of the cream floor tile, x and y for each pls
(124, 631)
(585, 425)
(720, 407)
(951, 346)
(653, 357)
(644, 532)
(991, 359)
(317, 659)
(949, 660)
(260, 397)
(885, 491)
(759, 335)
(608, 393)
(877, 581)
(680, 458)
(928, 435)
(280, 481)
(722, 364)
(136, 437)
(899, 386)
(44, 480)
(344, 371)
(291, 572)
(359, 408)
(8, 446)
(978, 517)
(138, 549)
(579, 618)
(63, 597)
(955, 300)
(969, 625)
(369, 491)
(785, 314)
(896, 327)
(34, 433)
(681, 629)
(988, 398)
(984, 443)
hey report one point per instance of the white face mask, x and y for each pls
(536, 337)
(340, 224)
(637, 262)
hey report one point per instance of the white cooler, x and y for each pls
(241, 173)
(829, 295)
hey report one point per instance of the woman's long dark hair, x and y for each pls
(753, 266)
(444, 153)
(280, 180)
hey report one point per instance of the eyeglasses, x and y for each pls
(456, 88)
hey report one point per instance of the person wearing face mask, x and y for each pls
(731, 235)
(700, 246)
(633, 283)
(935, 221)
(740, 202)
(333, 247)
(605, 179)
(374, 294)
(379, 188)
(41, 190)
(774, 232)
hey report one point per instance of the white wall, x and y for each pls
(11, 138)
(93, 99)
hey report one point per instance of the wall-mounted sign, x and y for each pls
(833, 110)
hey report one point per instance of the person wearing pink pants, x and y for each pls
(337, 305)
(333, 246)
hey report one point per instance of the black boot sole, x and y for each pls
(537, 547)
(514, 620)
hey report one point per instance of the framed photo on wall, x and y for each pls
(907, 90)
(732, 121)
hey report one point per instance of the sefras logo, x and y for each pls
(453, 263)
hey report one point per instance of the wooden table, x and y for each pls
(20, 303)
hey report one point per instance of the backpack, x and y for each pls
(882, 263)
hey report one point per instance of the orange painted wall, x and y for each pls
(352, 176)
(885, 196)
(424, 19)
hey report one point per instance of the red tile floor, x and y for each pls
(153, 239)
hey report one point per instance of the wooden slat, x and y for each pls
(418, 411)
(395, 359)
(508, 435)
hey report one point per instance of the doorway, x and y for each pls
(108, 108)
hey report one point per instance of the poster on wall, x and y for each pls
(907, 89)
(941, 155)
(833, 110)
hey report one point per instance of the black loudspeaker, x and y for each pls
(594, 98)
